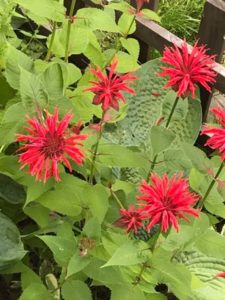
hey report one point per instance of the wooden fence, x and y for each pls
(211, 33)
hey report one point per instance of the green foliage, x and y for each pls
(73, 243)
(11, 247)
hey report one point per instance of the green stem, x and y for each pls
(172, 111)
(69, 29)
(131, 24)
(152, 167)
(138, 277)
(116, 198)
(167, 125)
(48, 55)
(201, 203)
(96, 150)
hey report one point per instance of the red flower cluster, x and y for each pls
(107, 88)
(217, 134)
(188, 69)
(165, 201)
(131, 219)
(49, 143)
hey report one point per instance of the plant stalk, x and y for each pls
(73, 3)
(48, 55)
(167, 125)
(116, 198)
(201, 203)
(96, 150)
(172, 111)
(129, 28)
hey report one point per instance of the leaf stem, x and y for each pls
(116, 198)
(96, 149)
(130, 26)
(172, 111)
(48, 55)
(167, 125)
(201, 203)
(73, 3)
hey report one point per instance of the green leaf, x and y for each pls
(31, 90)
(77, 44)
(126, 292)
(177, 277)
(12, 123)
(35, 291)
(11, 191)
(15, 61)
(77, 263)
(47, 9)
(126, 24)
(121, 6)
(198, 158)
(53, 81)
(75, 289)
(62, 248)
(161, 139)
(118, 156)
(151, 15)
(97, 201)
(7, 92)
(92, 228)
(132, 46)
(97, 19)
(107, 276)
(66, 198)
(126, 62)
(38, 213)
(126, 255)
(212, 244)
(11, 247)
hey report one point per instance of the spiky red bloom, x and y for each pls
(140, 3)
(108, 88)
(48, 144)
(167, 200)
(221, 274)
(188, 70)
(131, 219)
(216, 140)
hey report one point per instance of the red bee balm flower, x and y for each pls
(107, 88)
(217, 134)
(49, 143)
(187, 70)
(167, 200)
(140, 3)
(131, 218)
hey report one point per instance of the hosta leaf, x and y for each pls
(205, 268)
(11, 247)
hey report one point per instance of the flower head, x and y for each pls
(167, 200)
(131, 219)
(188, 69)
(140, 3)
(47, 144)
(107, 88)
(216, 140)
